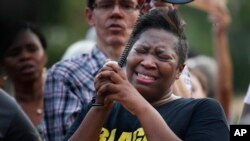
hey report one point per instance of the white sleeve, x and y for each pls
(187, 80)
(247, 97)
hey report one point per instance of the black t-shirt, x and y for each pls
(189, 119)
(14, 124)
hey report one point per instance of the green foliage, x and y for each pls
(63, 23)
(198, 30)
(239, 35)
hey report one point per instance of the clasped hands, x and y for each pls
(111, 85)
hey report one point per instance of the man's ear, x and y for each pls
(180, 69)
(89, 15)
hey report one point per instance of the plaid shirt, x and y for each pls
(69, 86)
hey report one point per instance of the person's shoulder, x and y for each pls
(199, 100)
(7, 101)
(206, 103)
(8, 105)
(79, 48)
(14, 123)
(210, 102)
(70, 65)
(204, 108)
(209, 105)
(76, 68)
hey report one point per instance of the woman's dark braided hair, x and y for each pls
(168, 20)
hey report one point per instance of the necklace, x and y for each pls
(31, 109)
(172, 97)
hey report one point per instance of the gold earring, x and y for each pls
(5, 77)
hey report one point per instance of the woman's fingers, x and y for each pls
(117, 69)
(161, 4)
(107, 88)
(108, 76)
(109, 81)
(110, 72)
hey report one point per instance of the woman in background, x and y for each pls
(23, 59)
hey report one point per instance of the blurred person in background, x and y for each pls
(23, 58)
(245, 115)
(207, 66)
(70, 83)
(199, 83)
(220, 18)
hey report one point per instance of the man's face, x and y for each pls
(113, 21)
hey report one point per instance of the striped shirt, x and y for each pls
(69, 85)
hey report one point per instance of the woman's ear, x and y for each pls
(180, 69)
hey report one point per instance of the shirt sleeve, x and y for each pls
(68, 87)
(185, 75)
(61, 105)
(247, 97)
(78, 121)
(208, 123)
(21, 129)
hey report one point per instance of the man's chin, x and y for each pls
(115, 41)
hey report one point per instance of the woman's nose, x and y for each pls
(24, 55)
(148, 62)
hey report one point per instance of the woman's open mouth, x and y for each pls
(27, 69)
(145, 78)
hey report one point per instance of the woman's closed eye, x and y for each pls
(141, 50)
(163, 57)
